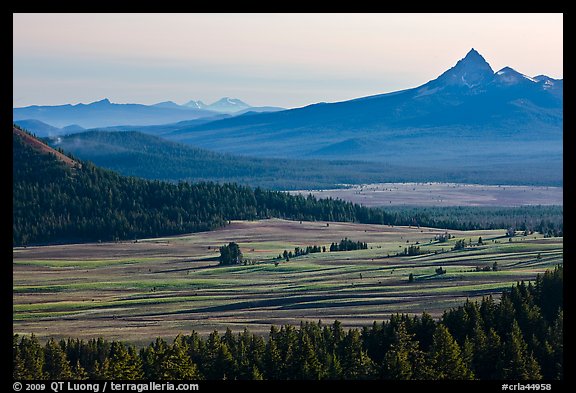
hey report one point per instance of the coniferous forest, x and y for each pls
(517, 338)
(55, 203)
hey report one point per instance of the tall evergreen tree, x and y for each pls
(124, 363)
(176, 364)
(517, 363)
(355, 362)
(78, 372)
(446, 357)
(230, 254)
(28, 358)
(56, 364)
(306, 357)
(399, 361)
(272, 360)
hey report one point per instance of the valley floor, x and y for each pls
(136, 291)
(443, 194)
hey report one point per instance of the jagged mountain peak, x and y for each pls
(474, 55)
(471, 71)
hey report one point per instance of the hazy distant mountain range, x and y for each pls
(223, 105)
(104, 113)
(469, 120)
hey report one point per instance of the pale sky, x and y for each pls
(287, 60)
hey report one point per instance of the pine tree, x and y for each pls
(355, 362)
(399, 359)
(517, 363)
(544, 355)
(230, 254)
(556, 337)
(28, 358)
(272, 360)
(446, 357)
(424, 328)
(256, 352)
(124, 363)
(56, 364)
(468, 354)
(244, 367)
(334, 368)
(225, 364)
(18, 369)
(310, 367)
(256, 374)
(218, 362)
(152, 357)
(101, 370)
(176, 364)
(79, 373)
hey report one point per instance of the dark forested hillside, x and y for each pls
(56, 203)
(519, 338)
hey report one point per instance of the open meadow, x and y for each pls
(443, 194)
(136, 291)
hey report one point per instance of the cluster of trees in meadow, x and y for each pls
(519, 338)
(412, 250)
(230, 254)
(344, 245)
(348, 245)
(55, 203)
(299, 251)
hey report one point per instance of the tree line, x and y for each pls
(519, 338)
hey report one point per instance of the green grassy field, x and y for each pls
(135, 291)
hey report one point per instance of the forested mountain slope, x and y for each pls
(55, 202)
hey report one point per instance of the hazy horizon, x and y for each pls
(288, 60)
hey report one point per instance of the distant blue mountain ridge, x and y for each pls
(104, 113)
(468, 116)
